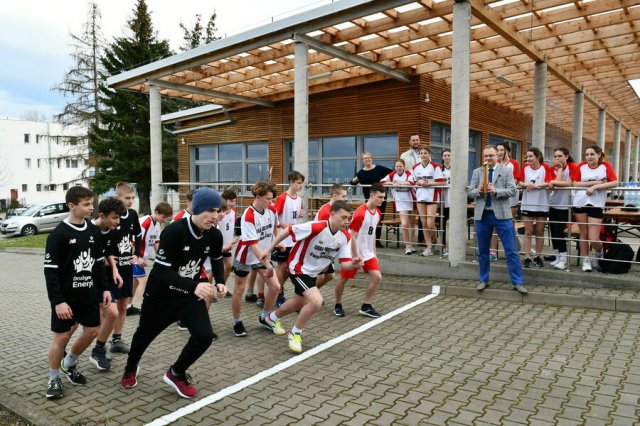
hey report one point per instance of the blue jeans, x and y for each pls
(506, 232)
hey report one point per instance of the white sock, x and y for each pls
(273, 317)
(296, 330)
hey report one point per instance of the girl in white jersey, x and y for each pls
(596, 175)
(227, 224)
(446, 174)
(534, 180)
(504, 158)
(425, 175)
(404, 201)
(559, 200)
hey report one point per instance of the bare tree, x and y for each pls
(81, 82)
(33, 115)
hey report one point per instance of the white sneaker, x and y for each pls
(586, 265)
(427, 252)
(445, 252)
(408, 251)
(598, 257)
(560, 265)
(555, 262)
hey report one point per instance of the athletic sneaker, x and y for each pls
(132, 310)
(181, 383)
(99, 358)
(445, 251)
(54, 389)
(295, 342)
(528, 263)
(251, 298)
(427, 252)
(73, 374)
(129, 379)
(338, 311)
(260, 302)
(598, 257)
(493, 258)
(239, 330)
(182, 327)
(408, 251)
(118, 346)
(368, 311)
(274, 326)
(281, 299)
(537, 261)
(586, 265)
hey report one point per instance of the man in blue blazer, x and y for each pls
(492, 210)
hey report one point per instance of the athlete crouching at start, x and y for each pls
(177, 291)
(317, 244)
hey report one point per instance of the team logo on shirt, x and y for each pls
(125, 245)
(72, 241)
(189, 269)
(84, 262)
(186, 248)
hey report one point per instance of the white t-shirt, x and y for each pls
(584, 173)
(429, 173)
(227, 225)
(257, 228)
(150, 234)
(364, 222)
(515, 173)
(289, 211)
(559, 198)
(316, 246)
(536, 200)
(400, 193)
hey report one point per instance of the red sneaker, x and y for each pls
(130, 379)
(182, 384)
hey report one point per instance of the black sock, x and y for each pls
(175, 373)
(116, 337)
(366, 305)
(100, 344)
(338, 305)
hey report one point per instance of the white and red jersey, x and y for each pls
(584, 173)
(181, 215)
(289, 211)
(560, 198)
(403, 192)
(226, 225)
(364, 222)
(429, 173)
(446, 174)
(316, 246)
(257, 228)
(151, 230)
(514, 166)
(323, 213)
(536, 200)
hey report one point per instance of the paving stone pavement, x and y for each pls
(449, 361)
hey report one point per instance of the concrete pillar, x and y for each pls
(615, 158)
(459, 131)
(602, 126)
(626, 163)
(578, 111)
(637, 156)
(301, 114)
(155, 127)
(539, 105)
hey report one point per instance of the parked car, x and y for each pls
(35, 219)
(15, 212)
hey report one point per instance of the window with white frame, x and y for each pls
(38, 161)
(337, 159)
(24, 187)
(231, 162)
(27, 163)
(27, 138)
(441, 139)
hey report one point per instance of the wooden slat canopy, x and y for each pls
(589, 45)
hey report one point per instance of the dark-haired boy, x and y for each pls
(316, 245)
(76, 284)
(289, 208)
(109, 212)
(363, 243)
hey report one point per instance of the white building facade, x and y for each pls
(39, 161)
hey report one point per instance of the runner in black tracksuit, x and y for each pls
(176, 290)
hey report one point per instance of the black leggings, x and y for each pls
(445, 218)
(558, 219)
(155, 317)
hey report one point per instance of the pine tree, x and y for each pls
(122, 139)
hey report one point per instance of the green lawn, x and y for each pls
(34, 241)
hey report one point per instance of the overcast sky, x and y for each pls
(34, 38)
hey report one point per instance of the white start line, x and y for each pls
(230, 390)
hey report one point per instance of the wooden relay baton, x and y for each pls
(485, 184)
